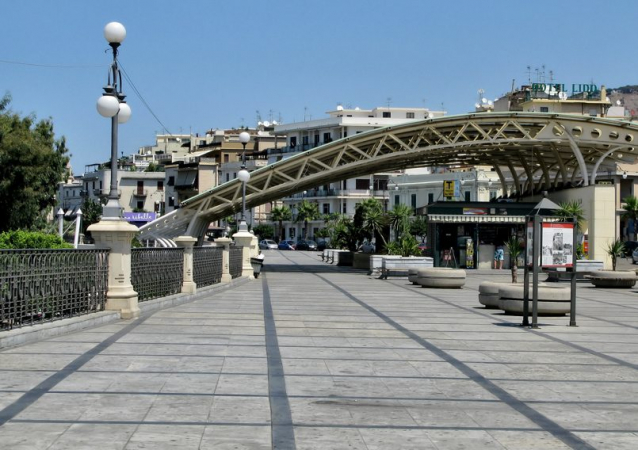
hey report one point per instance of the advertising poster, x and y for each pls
(557, 245)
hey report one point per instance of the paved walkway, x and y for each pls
(310, 356)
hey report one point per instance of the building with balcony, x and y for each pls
(138, 191)
(341, 197)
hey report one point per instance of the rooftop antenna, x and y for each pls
(258, 116)
(480, 95)
(538, 77)
(543, 73)
(388, 101)
(551, 76)
(270, 113)
(529, 74)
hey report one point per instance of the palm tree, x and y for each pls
(630, 205)
(280, 214)
(306, 212)
(570, 209)
(400, 219)
(515, 248)
(374, 220)
(615, 249)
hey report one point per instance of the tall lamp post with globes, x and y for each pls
(244, 177)
(243, 237)
(112, 231)
(112, 105)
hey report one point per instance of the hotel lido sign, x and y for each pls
(556, 88)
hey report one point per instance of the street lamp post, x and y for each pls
(244, 177)
(111, 104)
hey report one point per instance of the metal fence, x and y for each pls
(45, 285)
(157, 272)
(235, 261)
(207, 265)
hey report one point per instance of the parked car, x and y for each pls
(322, 245)
(306, 245)
(630, 246)
(286, 245)
(267, 244)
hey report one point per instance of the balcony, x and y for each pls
(140, 192)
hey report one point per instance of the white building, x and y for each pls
(341, 197)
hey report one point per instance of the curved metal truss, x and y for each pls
(537, 150)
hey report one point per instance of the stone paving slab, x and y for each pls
(312, 356)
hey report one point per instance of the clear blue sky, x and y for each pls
(204, 64)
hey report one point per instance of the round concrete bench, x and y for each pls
(613, 279)
(441, 277)
(413, 274)
(488, 293)
(552, 300)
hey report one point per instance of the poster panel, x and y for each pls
(557, 245)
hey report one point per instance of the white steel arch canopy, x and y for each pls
(539, 150)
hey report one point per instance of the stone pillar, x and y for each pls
(248, 241)
(187, 243)
(226, 277)
(117, 236)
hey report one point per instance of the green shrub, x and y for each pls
(31, 239)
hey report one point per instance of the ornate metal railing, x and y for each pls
(235, 261)
(207, 265)
(45, 285)
(157, 272)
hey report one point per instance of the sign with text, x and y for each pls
(557, 245)
(451, 188)
(140, 216)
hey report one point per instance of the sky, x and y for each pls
(206, 64)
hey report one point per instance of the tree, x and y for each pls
(419, 227)
(32, 163)
(280, 214)
(630, 205)
(570, 209)
(264, 231)
(91, 213)
(615, 250)
(515, 248)
(374, 220)
(306, 212)
(400, 219)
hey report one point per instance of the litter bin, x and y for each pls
(257, 262)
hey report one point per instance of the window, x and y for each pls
(413, 202)
(140, 204)
(160, 185)
(467, 196)
(327, 138)
(326, 208)
(544, 109)
(397, 199)
(317, 139)
(430, 198)
(409, 115)
(171, 201)
(345, 210)
(171, 182)
(293, 141)
(345, 184)
(362, 184)
(226, 157)
(387, 114)
(227, 177)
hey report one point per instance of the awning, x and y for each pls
(186, 179)
(458, 218)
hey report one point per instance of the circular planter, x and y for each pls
(552, 300)
(488, 294)
(413, 274)
(441, 277)
(613, 279)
